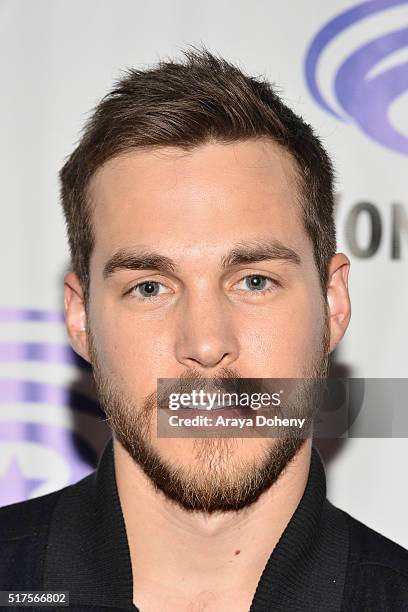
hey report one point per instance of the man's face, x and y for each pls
(218, 308)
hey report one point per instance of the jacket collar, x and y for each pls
(88, 554)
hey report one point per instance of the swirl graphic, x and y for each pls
(50, 430)
(363, 98)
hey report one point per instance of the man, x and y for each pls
(199, 211)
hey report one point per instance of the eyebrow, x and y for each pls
(138, 259)
(244, 252)
(255, 251)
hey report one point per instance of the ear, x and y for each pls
(75, 315)
(338, 298)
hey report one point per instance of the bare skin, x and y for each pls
(194, 208)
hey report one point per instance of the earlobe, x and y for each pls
(338, 298)
(75, 315)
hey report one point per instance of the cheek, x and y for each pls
(283, 341)
(129, 351)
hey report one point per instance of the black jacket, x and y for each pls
(75, 540)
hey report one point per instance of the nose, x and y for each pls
(206, 337)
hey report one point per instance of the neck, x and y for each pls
(184, 552)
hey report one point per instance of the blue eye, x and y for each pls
(256, 282)
(147, 289)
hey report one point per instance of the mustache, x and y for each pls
(227, 380)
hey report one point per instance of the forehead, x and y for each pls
(211, 193)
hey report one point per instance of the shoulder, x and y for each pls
(23, 540)
(24, 528)
(377, 571)
(24, 519)
(375, 548)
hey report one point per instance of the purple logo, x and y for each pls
(364, 91)
(51, 430)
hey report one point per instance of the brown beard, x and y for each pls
(221, 484)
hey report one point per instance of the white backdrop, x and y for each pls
(57, 60)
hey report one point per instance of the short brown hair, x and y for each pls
(184, 104)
